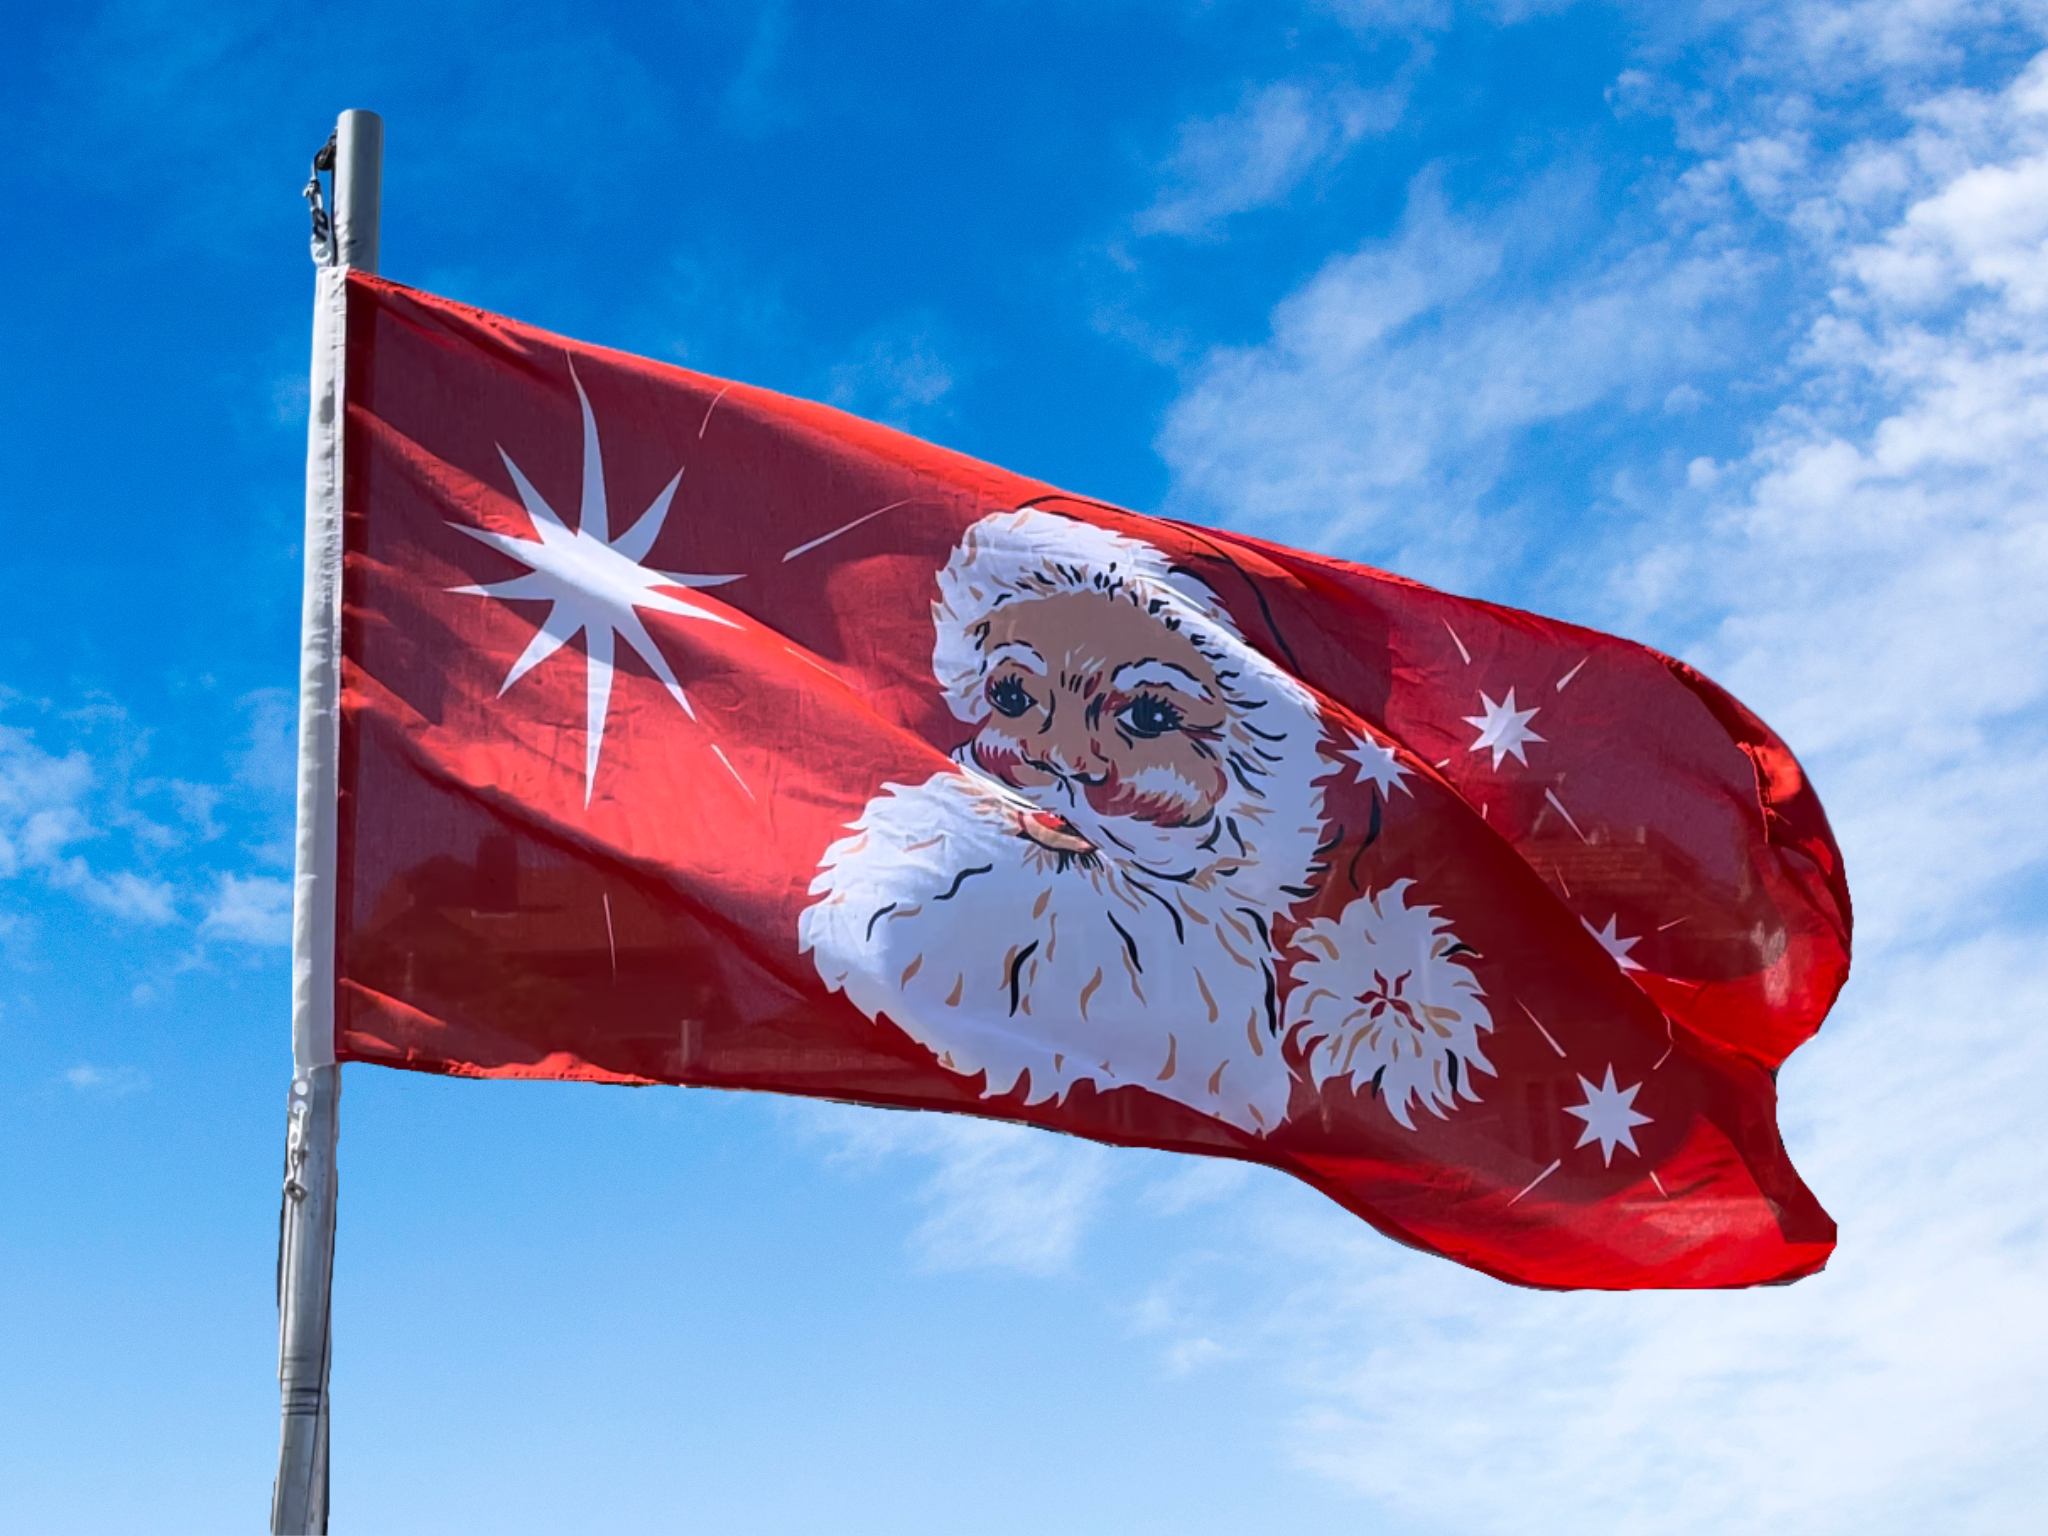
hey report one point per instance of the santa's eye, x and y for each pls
(1148, 716)
(1010, 697)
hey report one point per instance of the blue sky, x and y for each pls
(1723, 326)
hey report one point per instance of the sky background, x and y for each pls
(1721, 326)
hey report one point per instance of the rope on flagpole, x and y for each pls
(316, 201)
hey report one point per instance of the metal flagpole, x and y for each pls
(305, 1244)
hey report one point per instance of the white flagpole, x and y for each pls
(305, 1254)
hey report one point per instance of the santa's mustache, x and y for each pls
(1158, 796)
(1070, 825)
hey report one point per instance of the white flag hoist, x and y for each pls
(354, 157)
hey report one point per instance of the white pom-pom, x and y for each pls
(1381, 998)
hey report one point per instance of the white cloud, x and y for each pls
(898, 376)
(265, 772)
(1000, 1196)
(1888, 38)
(1255, 155)
(1868, 572)
(58, 806)
(752, 103)
(1391, 15)
(1413, 16)
(1194, 1182)
(1394, 387)
(1901, 1391)
(250, 909)
(43, 814)
(123, 894)
(1879, 557)
(196, 804)
(109, 1082)
(39, 795)
(268, 762)
(1984, 229)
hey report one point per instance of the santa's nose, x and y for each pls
(1072, 751)
(1054, 832)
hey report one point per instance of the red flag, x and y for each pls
(694, 734)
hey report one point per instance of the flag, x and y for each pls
(694, 734)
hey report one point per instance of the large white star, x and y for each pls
(1611, 940)
(596, 584)
(1503, 728)
(1610, 1116)
(1378, 764)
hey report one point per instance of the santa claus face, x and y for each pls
(1092, 894)
(1091, 696)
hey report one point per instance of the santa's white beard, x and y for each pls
(1005, 957)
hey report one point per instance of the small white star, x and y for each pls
(1378, 764)
(1610, 1116)
(1503, 728)
(1616, 946)
(596, 585)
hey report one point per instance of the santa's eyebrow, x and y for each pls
(1161, 674)
(1024, 655)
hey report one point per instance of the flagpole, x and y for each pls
(305, 1251)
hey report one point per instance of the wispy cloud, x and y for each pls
(40, 794)
(106, 1082)
(1412, 16)
(1898, 1392)
(752, 104)
(250, 909)
(263, 773)
(1877, 556)
(1258, 153)
(1386, 406)
(998, 1196)
(44, 816)
(716, 312)
(1897, 43)
(123, 894)
(1391, 15)
(1195, 1182)
(1865, 569)
(899, 375)
(72, 820)
(267, 761)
